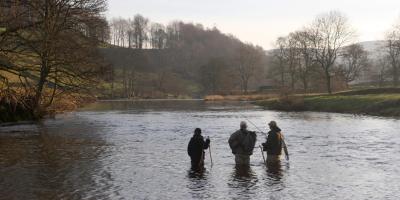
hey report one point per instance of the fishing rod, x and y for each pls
(247, 119)
(255, 126)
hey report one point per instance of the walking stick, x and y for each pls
(262, 153)
(210, 154)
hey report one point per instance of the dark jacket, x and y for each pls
(273, 146)
(195, 148)
(242, 142)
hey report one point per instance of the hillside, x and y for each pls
(193, 61)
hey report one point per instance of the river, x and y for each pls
(137, 150)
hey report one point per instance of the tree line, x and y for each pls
(325, 53)
(179, 58)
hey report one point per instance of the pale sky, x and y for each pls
(262, 21)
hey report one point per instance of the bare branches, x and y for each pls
(53, 43)
(354, 61)
(318, 45)
(329, 33)
(393, 52)
(248, 62)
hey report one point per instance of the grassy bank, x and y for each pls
(384, 104)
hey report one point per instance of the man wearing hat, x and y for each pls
(274, 143)
(242, 143)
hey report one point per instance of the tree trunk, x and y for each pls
(328, 82)
(395, 76)
(245, 82)
(125, 82)
(282, 75)
(112, 83)
(39, 90)
(292, 80)
(305, 85)
(129, 40)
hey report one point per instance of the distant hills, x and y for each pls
(375, 48)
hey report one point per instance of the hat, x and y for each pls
(197, 131)
(243, 124)
(272, 123)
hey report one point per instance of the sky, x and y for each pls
(262, 21)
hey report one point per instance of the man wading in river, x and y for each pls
(242, 144)
(274, 144)
(196, 148)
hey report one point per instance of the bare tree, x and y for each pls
(54, 47)
(393, 50)
(306, 64)
(279, 55)
(354, 62)
(329, 33)
(130, 33)
(120, 30)
(214, 75)
(379, 73)
(158, 36)
(140, 24)
(173, 34)
(248, 62)
(292, 58)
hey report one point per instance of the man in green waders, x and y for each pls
(273, 145)
(242, 143)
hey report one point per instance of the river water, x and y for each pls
(137, 150)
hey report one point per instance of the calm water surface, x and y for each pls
(137, 150)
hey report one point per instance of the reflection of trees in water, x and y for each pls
(274, 170)
(243, 182)
(42, 165)
(275, 175)
(198, 183)
(243, 172)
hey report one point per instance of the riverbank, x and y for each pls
(15, 109)
(356, 102)
(249, 97)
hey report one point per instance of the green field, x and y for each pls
(373, 102)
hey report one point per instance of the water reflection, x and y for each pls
(275, 181)
(138, 151)
(243, 181)
(243, 173)
(41, 165)
(274, 170)
(198, 184)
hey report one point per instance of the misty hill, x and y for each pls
(374, 48)
(189, 61)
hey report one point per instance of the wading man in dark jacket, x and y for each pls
(242, 144)
(196, 148)
(274, 143)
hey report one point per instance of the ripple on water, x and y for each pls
(137, 150)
